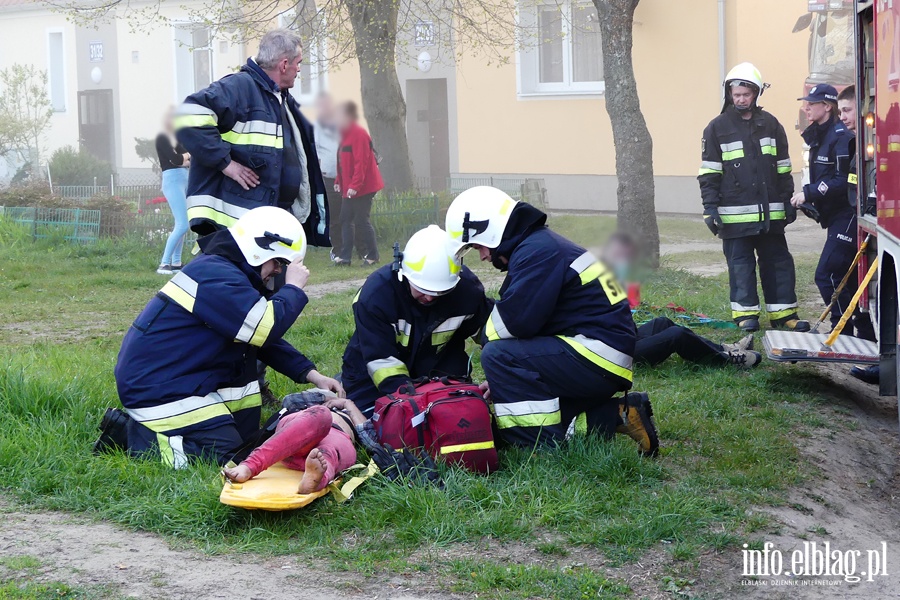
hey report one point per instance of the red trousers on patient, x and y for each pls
(296, 435)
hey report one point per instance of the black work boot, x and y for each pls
(113, 431)
(791, 323)
(637, 422)
(750, 324)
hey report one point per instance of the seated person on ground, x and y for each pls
(186, 373)
(560, 341)
(317, 441)
(412, 320)
(660, 338)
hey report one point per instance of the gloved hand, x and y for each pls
(320, 202)
(712, 219)
(790, 213)
(810, 211)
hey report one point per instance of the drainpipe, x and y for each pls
(722, 65)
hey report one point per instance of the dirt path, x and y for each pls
(82, 553)
(852, 500)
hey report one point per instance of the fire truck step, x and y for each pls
(790, 346)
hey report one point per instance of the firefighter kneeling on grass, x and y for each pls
(186, 373)
(413, 319)
(746, 185)
(560, 340)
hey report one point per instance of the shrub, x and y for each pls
(69, 166)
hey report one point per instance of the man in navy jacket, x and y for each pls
(186, 373)
(251, 146)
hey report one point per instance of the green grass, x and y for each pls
(728, 445)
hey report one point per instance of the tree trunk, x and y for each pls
(374, 25)
(634, 147)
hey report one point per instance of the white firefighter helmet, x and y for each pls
(429, 262)
(479, 216)
(745, 73)
(269, 232)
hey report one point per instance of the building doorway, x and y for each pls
(428, 131)
(95, 123)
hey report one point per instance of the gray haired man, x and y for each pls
(252, 145)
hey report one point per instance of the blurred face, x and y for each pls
(287, 71)
(342, 118)
(847, 110)
(270, 269)
(743, 97)
(817, 112)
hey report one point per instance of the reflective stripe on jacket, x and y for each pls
(397, 339)
(189, 359)
(556, 288)
(745, 173)
(239, 117)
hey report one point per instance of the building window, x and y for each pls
(561, 54)
(193, 59)
(56, 70)
(312, 77)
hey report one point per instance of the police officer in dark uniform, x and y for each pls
(746, 185)
(413, 319)
(829, 144)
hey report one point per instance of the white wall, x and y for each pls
(23, 40)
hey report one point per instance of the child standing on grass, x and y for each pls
(174, 162)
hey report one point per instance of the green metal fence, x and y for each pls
(72, 224)
(396, 219)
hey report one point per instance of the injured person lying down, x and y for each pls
(317, 441)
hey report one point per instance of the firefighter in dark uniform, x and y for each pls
(559, 342)
(829, 144)
(746, 185)
(186, 373)
(413, 319)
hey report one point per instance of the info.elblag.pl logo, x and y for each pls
(813, 564)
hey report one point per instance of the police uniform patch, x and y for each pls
(823, 188)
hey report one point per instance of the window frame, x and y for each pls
(64, 84)
(528, 59)
(316, 59)
(186, 29)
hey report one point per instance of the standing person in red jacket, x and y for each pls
(358, 180)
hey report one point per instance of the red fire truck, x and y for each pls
(876, 53)
(877, 37)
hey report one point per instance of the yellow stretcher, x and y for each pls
(276, 489)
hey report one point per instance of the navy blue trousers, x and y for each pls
(217, 444)
(538, 386)
(837, 256)
(661, 338)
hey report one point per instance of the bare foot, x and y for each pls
(315, 471)
(238, 474)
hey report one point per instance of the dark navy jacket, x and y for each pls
(829, 165)
(398, 339)
(200, 335)
(555, 288)
(239, 117)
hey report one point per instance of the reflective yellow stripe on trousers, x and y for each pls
(196, 409)
(528, 413)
